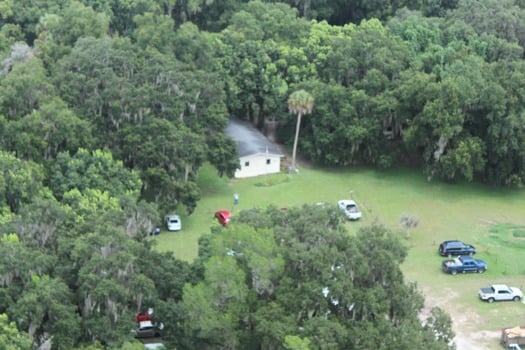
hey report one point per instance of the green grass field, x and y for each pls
(492, 219)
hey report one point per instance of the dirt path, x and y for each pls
(464, 323)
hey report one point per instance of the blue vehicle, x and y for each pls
(463, 264)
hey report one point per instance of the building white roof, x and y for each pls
(249, 140)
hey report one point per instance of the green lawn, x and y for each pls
(492, 219)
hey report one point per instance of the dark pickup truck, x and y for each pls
(463, 264)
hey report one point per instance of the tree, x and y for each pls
(21, 182)
(45, 132)
(92, 170)
(102, 265)
(222, 152)
(25, 87)
(216, 306)
(301, 282)
(505, 158)
(168, 157)
(26, 14)
(346, 117)
(95, 244)
(123, 13)
(438, 126)
(440, 324)
(154, 32)
(293, 342)
(58, 31)
(408, 222)
(19, 264)
(47, 312)
(300, 102)
(95, 81)
(185, 10)
(257, 37)
(194, 47)
(42, 223)
(503, 19)
(256, 87)
(463, 160)
(10, 337)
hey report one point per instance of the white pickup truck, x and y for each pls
(500, 292)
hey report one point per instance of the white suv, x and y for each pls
(173, 222)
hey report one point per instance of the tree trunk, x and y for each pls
(260, 115)
(296, 140)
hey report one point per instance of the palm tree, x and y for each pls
(300, 102)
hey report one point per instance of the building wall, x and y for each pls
(258, 164)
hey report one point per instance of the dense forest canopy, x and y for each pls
(108, 109)
(436, 85)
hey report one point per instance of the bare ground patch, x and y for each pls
(468, 336)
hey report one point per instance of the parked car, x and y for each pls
(455, 248)
(146, 326)
(143, 316)
(463, 264)
(350, 208)
(148, 329)
(154, 346)
(500, 292)
(173, 222)
(223, 216)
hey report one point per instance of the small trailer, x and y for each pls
(513, 338)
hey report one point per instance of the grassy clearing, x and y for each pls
(491, 219)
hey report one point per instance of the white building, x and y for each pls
(257, 155)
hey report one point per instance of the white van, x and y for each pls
(173, 222)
